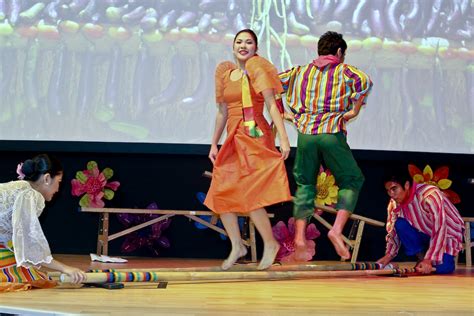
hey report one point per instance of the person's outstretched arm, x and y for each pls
(392, 239)
(287, 79)
(77, 275)
(354, 111)
(270, 102)
(360, 85)
(30, 245)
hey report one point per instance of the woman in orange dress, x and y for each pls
(249, 172)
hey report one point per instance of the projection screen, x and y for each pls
(143, 70)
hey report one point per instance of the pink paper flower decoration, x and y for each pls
(286, 236)
(93, 184)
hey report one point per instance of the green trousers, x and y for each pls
(337, 156)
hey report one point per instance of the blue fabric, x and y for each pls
(201, 197)
(447, 266)
(415, 242)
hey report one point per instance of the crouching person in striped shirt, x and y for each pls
(422, 220)
(322, 96)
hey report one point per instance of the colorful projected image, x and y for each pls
(143, 70)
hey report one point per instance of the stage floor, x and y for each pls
(370, 295)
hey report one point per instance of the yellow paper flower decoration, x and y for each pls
(326, 189)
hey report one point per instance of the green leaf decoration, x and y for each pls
(108, 173)
(91, 165)
(81, 177)
(85, 201)
(108, 194)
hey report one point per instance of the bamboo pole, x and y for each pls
(252, 267)
(353, 216)
(227, 276)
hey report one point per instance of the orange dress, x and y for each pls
(248, 172)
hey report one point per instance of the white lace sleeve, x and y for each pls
(29, 243)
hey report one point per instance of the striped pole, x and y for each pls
(111, 277)
(252, 267)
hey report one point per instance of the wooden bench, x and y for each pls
(355, 235)
(104, 237)
(468, 243)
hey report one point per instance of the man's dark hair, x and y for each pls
(330, 42)
(398, 175)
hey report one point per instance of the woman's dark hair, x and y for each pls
(252, 33)
(330, 42)
(39, 165)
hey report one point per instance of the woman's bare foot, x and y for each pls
(338, 243)
(269, 253)
(234, 255)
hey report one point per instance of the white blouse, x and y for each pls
(20, 207)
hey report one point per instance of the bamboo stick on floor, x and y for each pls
(226, 276)
(253, 267)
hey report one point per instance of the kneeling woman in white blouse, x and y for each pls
(23, 246)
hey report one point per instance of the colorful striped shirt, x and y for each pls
(319, 97)
(430, 212)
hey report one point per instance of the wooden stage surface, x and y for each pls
(371, 295)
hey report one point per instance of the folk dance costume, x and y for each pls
(429, 222)
(319, 94)
(23, 245)
(248, 172)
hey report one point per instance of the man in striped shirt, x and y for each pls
(322, 96)
(424, 221)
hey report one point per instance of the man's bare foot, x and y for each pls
(300, 250)
(269, 253)
(234, 255)
(339, 245)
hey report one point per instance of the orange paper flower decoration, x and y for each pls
(437, 178)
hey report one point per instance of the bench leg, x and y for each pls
(352, 237)
(103, 236)
(357, 241)
(467, 243)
